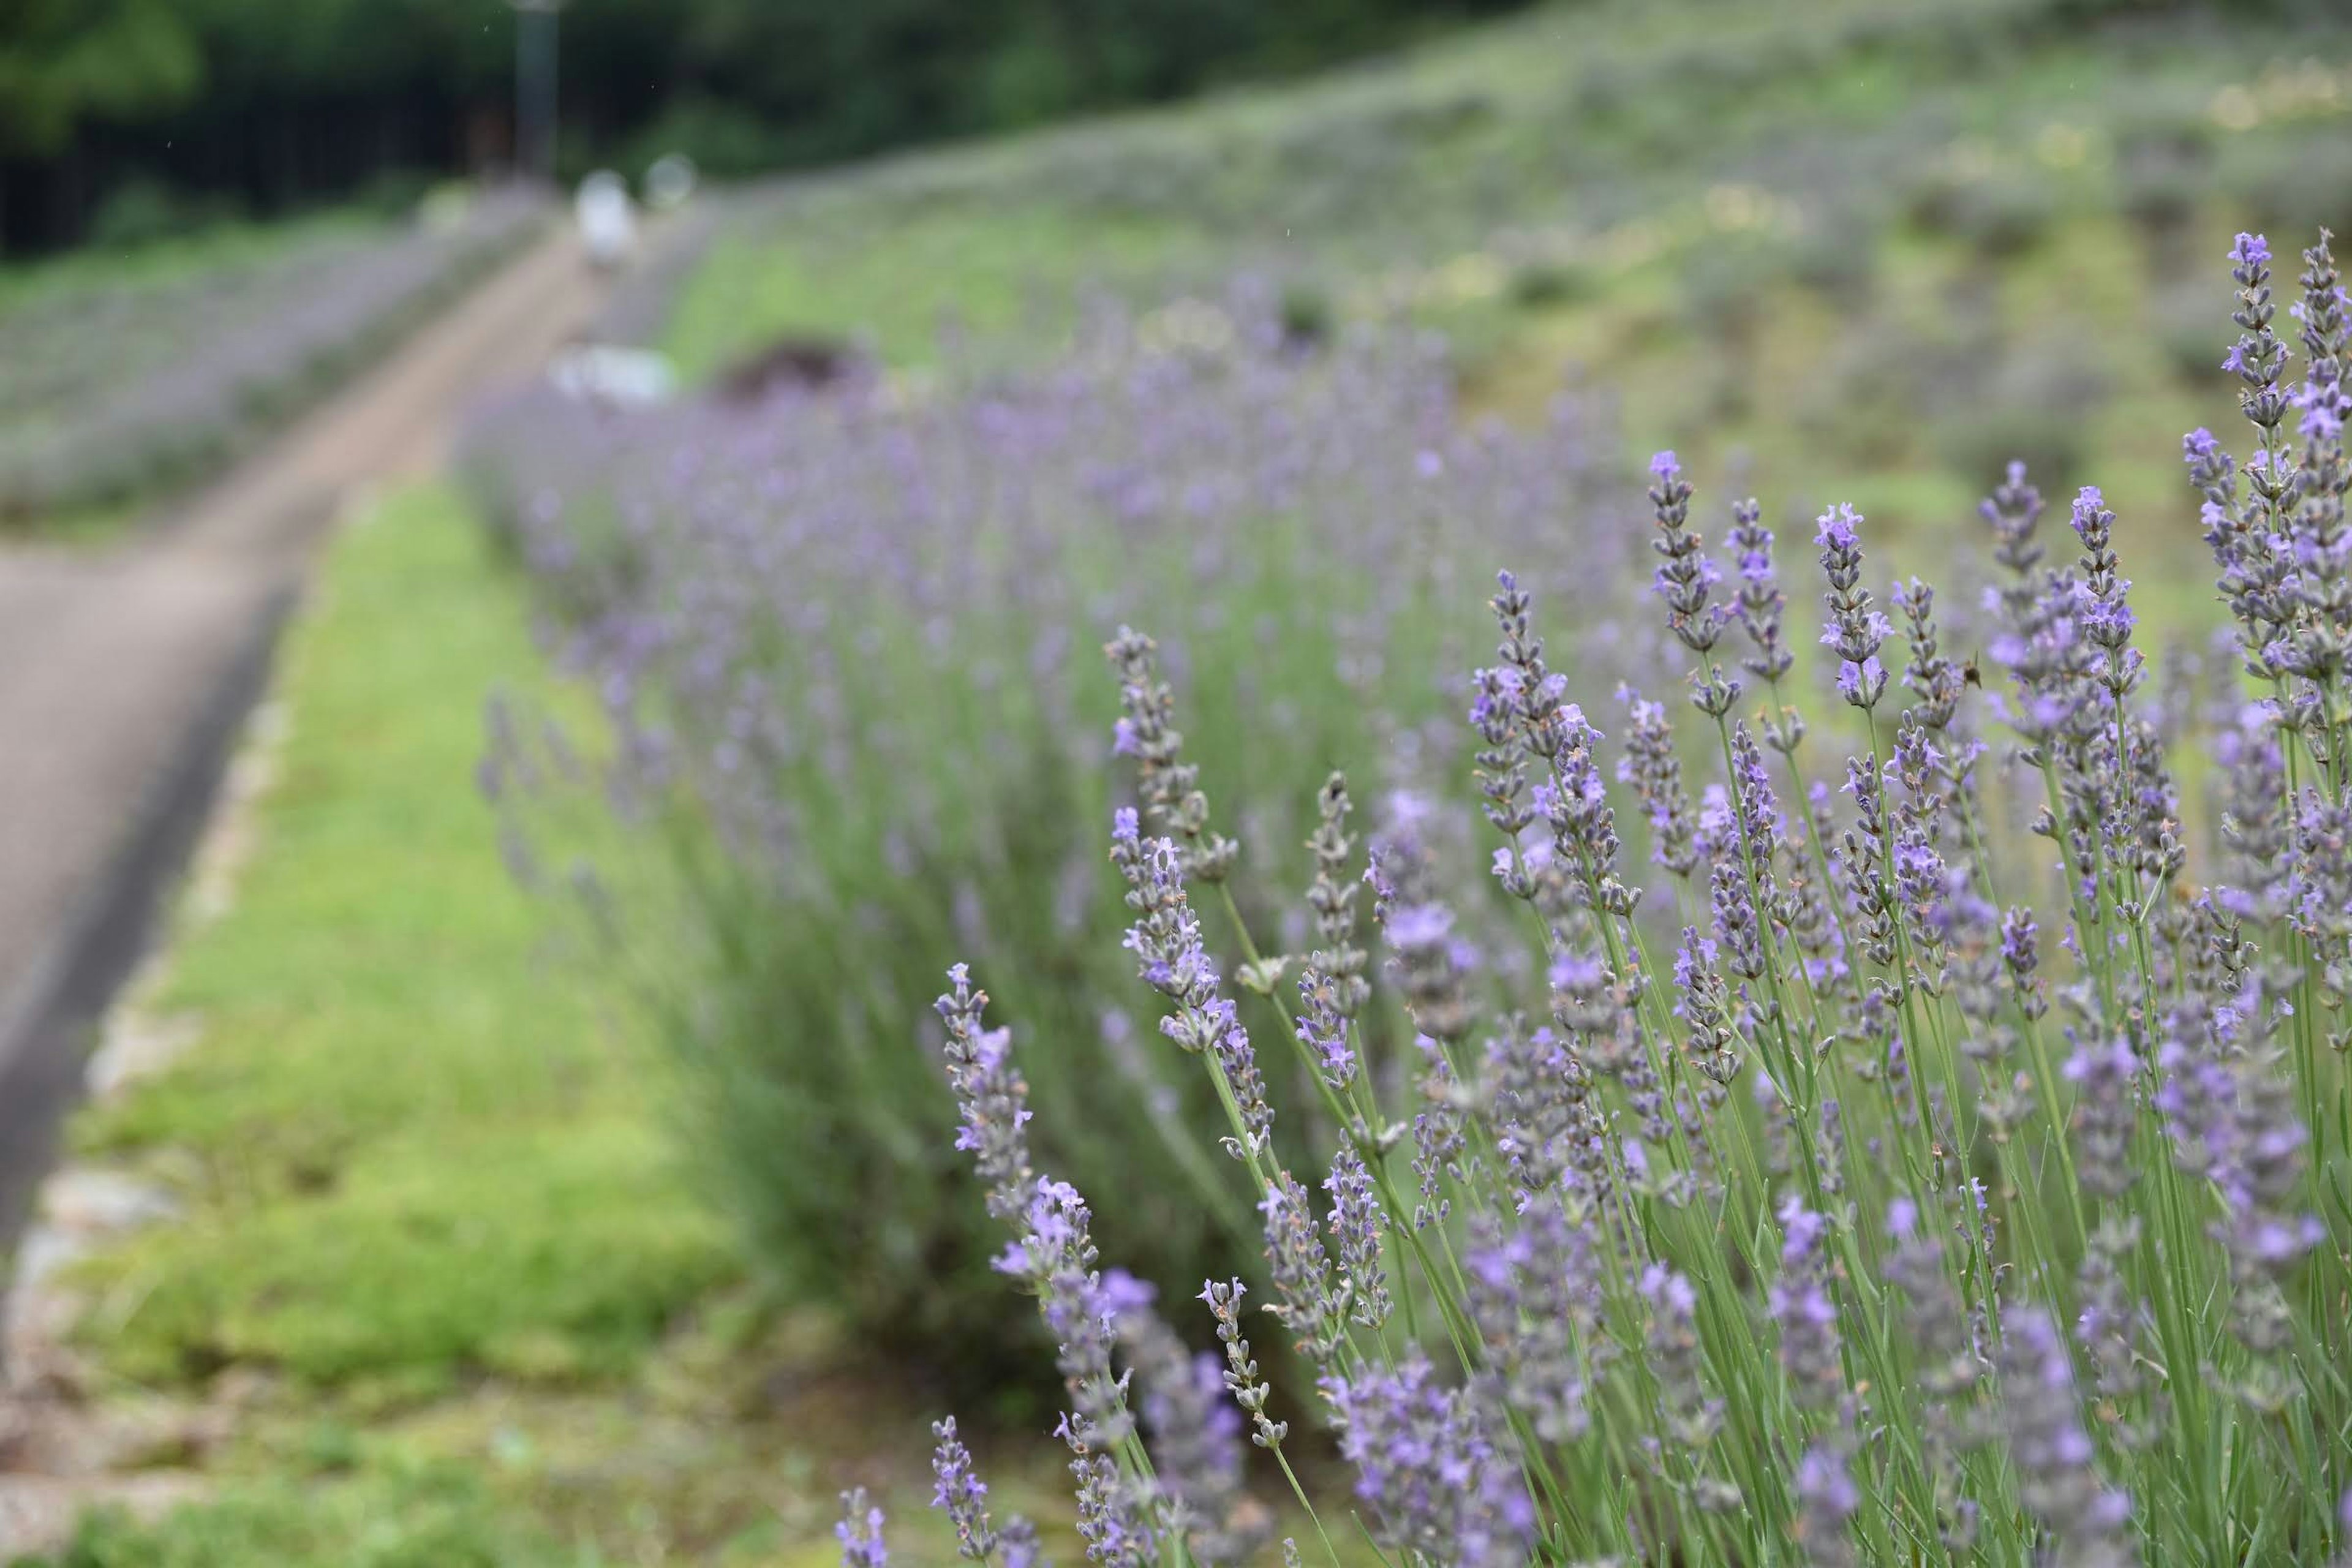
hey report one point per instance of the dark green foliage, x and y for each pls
(284, 104)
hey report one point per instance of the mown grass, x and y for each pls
(434, 1210)
(408, 1148)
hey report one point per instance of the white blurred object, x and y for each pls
(608, 219)
(614, 377)
(669, 182)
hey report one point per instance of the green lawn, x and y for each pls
(434, 1210)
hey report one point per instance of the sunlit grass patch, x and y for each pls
(408, 1147)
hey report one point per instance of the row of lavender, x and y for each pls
(844, 642)
(115, 389)
(1917, 1209)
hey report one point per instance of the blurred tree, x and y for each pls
(269, 103)
(61, 61)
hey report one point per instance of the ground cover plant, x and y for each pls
(124, 377)
(841, 637)
(1913, 1189)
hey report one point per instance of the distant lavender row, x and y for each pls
(1891, 1197)
(111, 392)
(850, 632)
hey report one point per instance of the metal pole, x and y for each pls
(535, 62)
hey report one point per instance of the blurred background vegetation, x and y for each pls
(121, 119)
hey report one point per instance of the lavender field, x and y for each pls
(123, 383)
(1579, 798)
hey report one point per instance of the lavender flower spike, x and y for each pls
(1855, 630)
(1441, 1484)
(961, 1493)
(2058, 1478)
(860, 1531)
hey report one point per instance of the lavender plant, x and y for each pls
(1953, 1194)
(113, 388)
(841, 637)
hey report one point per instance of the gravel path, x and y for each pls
(124, 672)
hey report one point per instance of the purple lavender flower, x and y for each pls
(1170, 786)
(1241, 1375)
(1575, 802)
(1739, 930)
(1826, 1498)
(1655, 774)
(2020, 955)
(2104, 1072)
(2105, 615)
(1308, 1305)
(991, 1096)
(1440, 1482)
(1323, 1029)
(1760, 601)
(1534, 1297)
(860, 1531)
(2114, 1328)
(1855, 630)
(1109, 1523)
(1192, 1432)
(960, 1494)
(1702, 1003)
(1693, 1415)
(1166, 941)
(2057, 1470)
(1686, 575)
(1425, 954)
(1930, 676)
(1355, 1224)
(1801, 1306)
(1053, 1256)
(1333, 898)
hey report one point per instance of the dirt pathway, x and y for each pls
(124, 672)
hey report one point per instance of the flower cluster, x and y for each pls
(1947, 1241)
(843, 640)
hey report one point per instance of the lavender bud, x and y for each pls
(1692, 1417)
(1686, 575)
(1249, 1391)
(1826, 1498)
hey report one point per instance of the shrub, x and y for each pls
(1888, 1219)
(1997, 214)
(840, 636)
(2034, 406)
